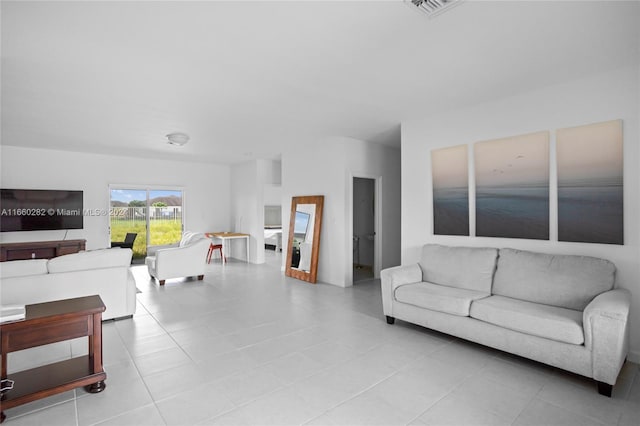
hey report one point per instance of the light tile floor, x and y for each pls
(248, 346)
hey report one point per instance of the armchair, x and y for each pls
(186, 260)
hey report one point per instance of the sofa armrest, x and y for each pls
(606, 333)
(391, 278)
(181, 261)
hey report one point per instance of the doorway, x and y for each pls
(273, 235)
(364, 228)
(272, 218)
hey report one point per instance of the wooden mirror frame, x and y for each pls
(312, 274)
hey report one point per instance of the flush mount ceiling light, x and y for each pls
(177, 138)
(433, 7)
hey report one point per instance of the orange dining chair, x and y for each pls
(213, 247)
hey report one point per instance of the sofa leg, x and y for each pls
(161, 282)
(605, 389)
(390, 320)
(200, 277)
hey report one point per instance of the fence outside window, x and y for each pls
(168, 213)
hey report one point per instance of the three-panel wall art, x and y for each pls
(512, 186)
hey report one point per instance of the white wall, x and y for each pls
(327, 168)
(272, 188)
(272, 194)
(253, 184)
(613, 95)
(318, 169)
(272, 172)
(383, 164)
(206, 187)
(247, 210)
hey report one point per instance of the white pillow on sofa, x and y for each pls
(94, 259)
(22, 268)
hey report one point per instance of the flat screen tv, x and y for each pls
(40, 210)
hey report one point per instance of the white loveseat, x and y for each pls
(560, 310)
(189, 259)
(103, 272)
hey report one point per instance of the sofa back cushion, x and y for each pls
(189, 238)
(93, 259)
(22, 268)
(565, 281)
(470, 268)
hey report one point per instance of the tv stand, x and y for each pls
(40, 249)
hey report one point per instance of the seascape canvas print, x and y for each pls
(450, 176)
(512, 187)
(590, 183)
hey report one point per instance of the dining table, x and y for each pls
(226, 238)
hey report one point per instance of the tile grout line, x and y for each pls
(139, 372)
(619, 415)
(364, 390)
(75, 407)
(46, 407)
(451, 391)
(289, 385)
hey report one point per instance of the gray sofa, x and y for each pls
(560, 310)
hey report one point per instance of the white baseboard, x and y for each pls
(634, 356)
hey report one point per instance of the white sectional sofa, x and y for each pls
(103, 272)
(560, 310)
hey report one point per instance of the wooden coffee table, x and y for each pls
(52, 322)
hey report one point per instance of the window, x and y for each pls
(154, 214)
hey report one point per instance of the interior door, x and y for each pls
(364, 228)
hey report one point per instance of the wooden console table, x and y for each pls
(40, 249)
(52, 322)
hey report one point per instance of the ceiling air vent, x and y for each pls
(433, 7)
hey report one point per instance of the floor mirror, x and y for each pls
(304, 237)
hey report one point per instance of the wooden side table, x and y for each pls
(52, 322)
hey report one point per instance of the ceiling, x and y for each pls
(251, 79)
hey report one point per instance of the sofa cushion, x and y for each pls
(565, 281)
(21, 268)
(470, 268)
(94, 259)
(551, 322)
(451, 300)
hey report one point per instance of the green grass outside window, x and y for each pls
(163, 232)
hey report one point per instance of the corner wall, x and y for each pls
(206, 187)
(246, 217)
(327, 167)
(608, 96)
(252, 182)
